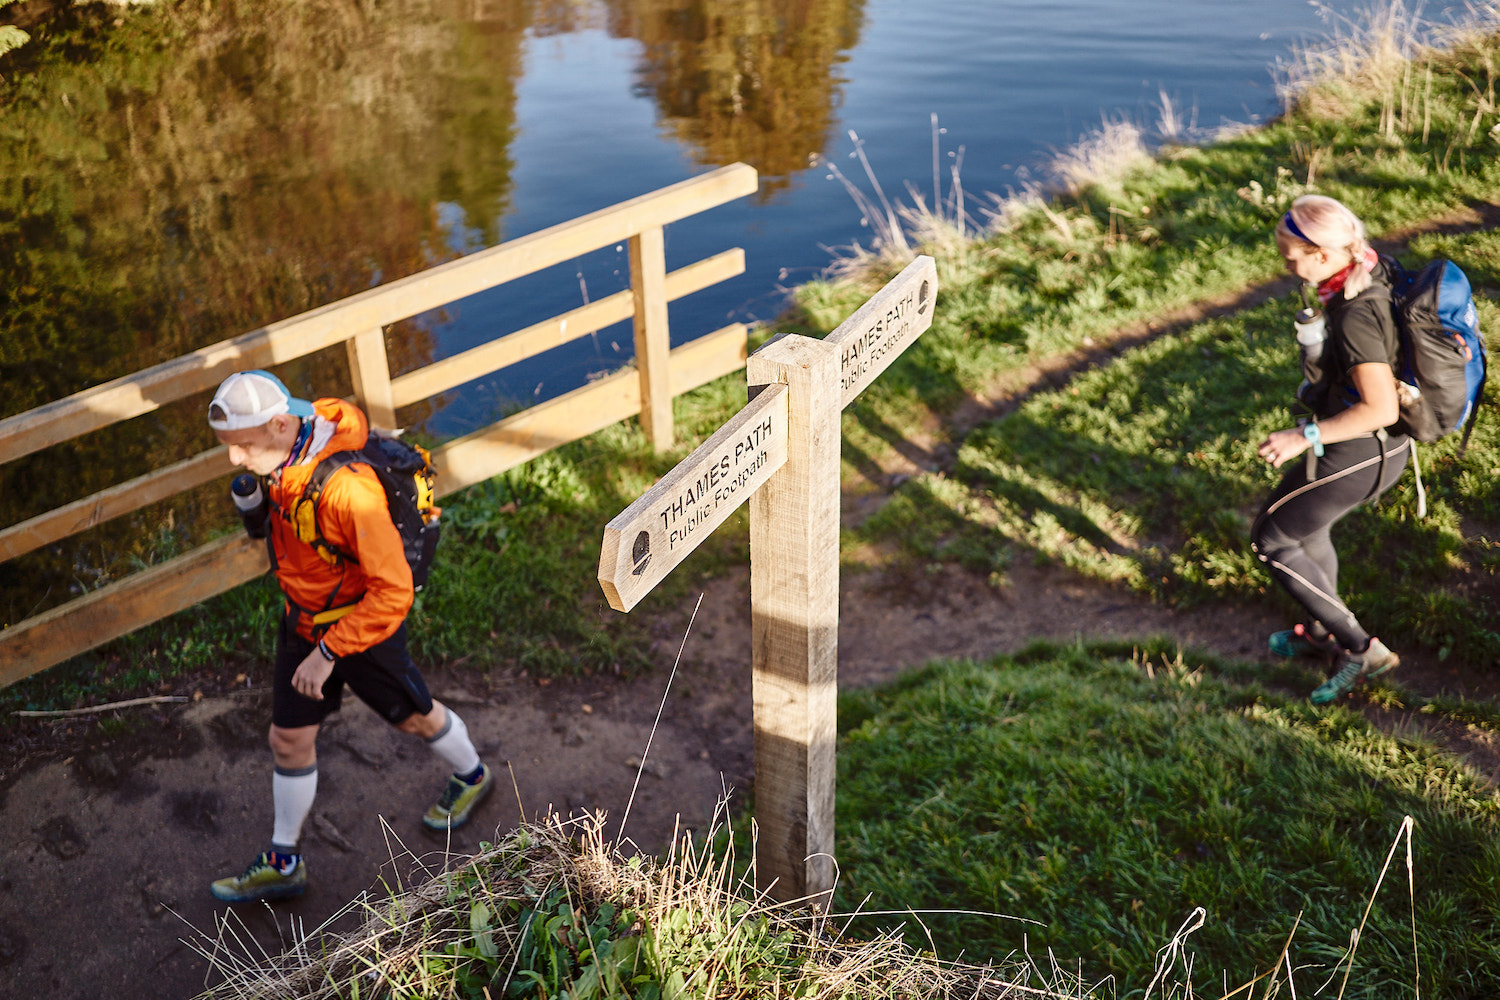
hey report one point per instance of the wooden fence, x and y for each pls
(359, 322)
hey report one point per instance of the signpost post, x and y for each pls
(781, 452)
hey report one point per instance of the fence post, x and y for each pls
(794, 598)
(648, 286)
(371, 373)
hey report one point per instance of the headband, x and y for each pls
(1291, 225)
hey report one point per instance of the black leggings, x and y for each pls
(1292, 534)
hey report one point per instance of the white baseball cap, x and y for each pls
(250, 398)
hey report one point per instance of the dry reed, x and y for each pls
(1382, 52)
(392, 950)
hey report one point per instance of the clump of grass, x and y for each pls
(943, 227)
(1106, 154)
(1386, 56)
(553, 910)
(1363, 55)
(896, 228)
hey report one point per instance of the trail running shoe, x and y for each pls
(1297, 641)
(458, 800)
(266, 878)
(1354, 669)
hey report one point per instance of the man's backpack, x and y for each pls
(1442, 350)
(406, 473)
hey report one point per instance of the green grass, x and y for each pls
(1106, 796)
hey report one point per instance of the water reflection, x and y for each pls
(186, 178)
(755, 82)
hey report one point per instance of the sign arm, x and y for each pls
(646, 540)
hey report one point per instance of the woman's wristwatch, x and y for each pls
(1314, 437)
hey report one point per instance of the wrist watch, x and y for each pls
(1314, 437)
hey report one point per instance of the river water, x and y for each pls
(603, 114)
(174, 174)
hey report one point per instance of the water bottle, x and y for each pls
(250, 503)
(1311, 332)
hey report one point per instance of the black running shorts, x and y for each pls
(383, 677)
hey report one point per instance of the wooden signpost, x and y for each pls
(781, 452)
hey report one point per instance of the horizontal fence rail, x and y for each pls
(415, 386)
(325, 326)
(359, 322)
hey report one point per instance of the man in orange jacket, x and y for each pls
(344, 621)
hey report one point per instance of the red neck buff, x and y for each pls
(1329, 287)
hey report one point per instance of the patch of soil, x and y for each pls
(61, 837)
(12, 945)
(196, 810)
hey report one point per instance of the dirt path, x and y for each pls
(109, 852)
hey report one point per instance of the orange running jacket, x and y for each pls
(354, 518)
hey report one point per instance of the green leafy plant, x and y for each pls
(582, 954)
(11, 37)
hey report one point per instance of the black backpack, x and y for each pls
(1442, 350)
(406, 473)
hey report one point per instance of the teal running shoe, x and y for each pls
(268, 877)
(458, 800)
(1354, 669)
(1297, 641)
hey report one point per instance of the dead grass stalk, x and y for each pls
(425, 941)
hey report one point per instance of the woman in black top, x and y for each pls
(1356, 453)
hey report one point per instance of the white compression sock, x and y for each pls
(452, 743)
(292, 793)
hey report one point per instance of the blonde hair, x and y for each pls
(1324, 223)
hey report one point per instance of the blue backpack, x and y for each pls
(1442, 350)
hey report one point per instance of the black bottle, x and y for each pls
(251, 504)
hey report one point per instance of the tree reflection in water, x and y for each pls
(197, 171)
(754, 81)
